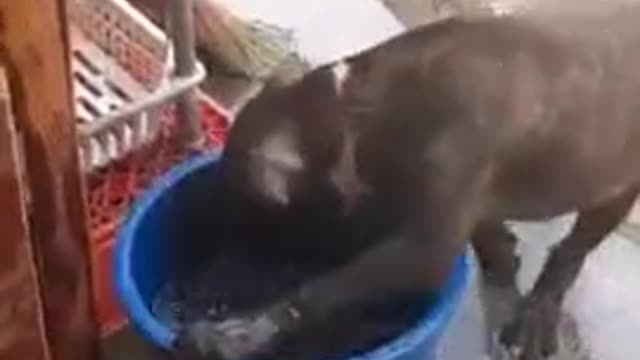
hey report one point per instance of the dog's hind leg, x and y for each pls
(532, 336)
(495, 246)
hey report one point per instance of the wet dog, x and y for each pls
(452, 129)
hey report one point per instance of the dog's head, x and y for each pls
(263, 157)
(287, 143)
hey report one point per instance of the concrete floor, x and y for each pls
(602, 308)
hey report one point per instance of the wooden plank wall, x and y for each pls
(33, 45)
(21, 326)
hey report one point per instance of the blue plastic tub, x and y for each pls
(149, 249)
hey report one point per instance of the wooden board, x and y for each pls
(21, 326)
(33, 45)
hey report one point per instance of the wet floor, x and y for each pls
(602, 320)
(605, 300)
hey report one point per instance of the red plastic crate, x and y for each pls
(106, 305)
(112, 190)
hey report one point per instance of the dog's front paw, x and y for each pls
(533, 333)
(232, 339)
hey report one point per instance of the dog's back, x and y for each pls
(553, 99)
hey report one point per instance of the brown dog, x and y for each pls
(453, 128)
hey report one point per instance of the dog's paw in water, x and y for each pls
(533, 334)
(232, 339)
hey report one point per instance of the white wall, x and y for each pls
(326, 30)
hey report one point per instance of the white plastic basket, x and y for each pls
(122, 76)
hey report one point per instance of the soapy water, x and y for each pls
(570, 343)
(209, 291)
(234, 282)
